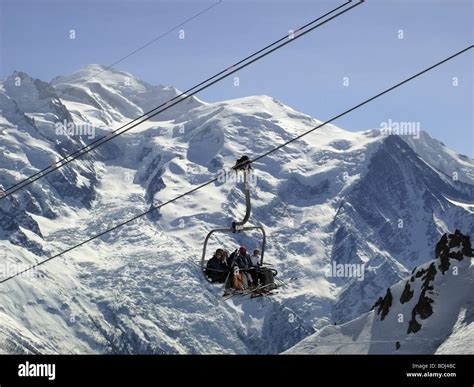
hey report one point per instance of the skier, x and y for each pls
(255, 258)
(242, 260)
(217, 268)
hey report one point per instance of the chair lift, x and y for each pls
(242, 165)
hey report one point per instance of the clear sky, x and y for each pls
(307, 75)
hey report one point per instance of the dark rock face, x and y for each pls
(144, 153)
(413, 326)
(12, 218)
(407, 294)
(451, 246)
(454, 246)
(65, 184)
(384, 304)
(423, 307)
(345, 246)
(155, 185)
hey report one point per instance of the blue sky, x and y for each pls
(308, 74)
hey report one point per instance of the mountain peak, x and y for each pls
(19, 78)
(97, 73)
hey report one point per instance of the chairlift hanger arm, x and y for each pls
(244, 165)
(237, 225)
(231, 230)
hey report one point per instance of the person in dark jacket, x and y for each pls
(217, 268)
(225, 257)
(242, 260)
(231, 259)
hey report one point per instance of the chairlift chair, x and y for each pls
(243, 165)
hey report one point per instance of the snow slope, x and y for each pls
(429, 312)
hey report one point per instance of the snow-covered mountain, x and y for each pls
(332, 198)
(101, 97)
(431, 311)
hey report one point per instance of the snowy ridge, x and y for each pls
(428, 312)
(109, 98)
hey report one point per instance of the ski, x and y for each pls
(243, 293)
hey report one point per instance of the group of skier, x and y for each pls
(238, 270)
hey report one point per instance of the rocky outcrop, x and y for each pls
(384, 304)
(453, 246)
(407, 294)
